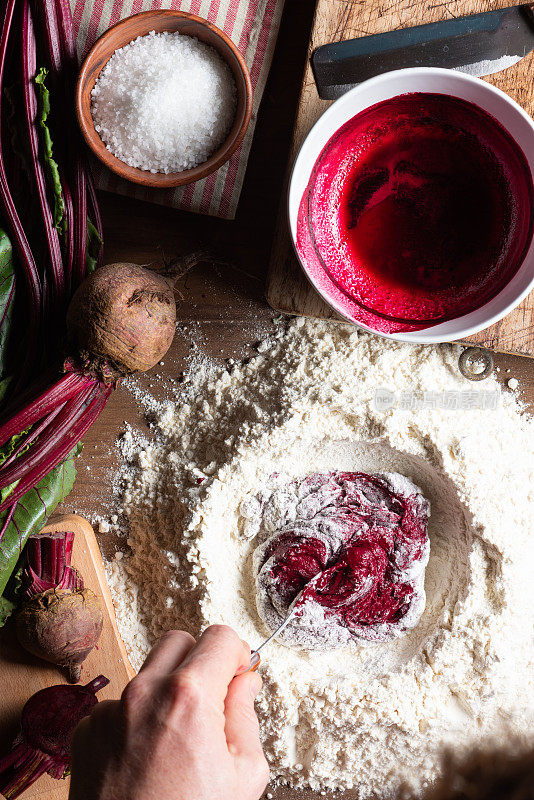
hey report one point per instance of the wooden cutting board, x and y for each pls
(21, 675)
(287, 288)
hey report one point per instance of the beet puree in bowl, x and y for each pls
(419, 209)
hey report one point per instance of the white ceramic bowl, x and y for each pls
(439, 81)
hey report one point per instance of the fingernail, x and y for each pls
(255, 685)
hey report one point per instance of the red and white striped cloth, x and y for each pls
(253, 26)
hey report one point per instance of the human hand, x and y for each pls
(184, 728)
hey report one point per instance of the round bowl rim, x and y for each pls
(161, 180)
(425, 335)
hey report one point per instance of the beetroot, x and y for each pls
(44, 742)
(121, 320)
(60, 621)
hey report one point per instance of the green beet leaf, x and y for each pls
(48, 157)
(7, 606)
(94, 243)
(31, 514)
(7, 298)
(12, 596)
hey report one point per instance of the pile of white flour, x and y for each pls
(377, 717)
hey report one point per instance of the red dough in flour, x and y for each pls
(361, 557)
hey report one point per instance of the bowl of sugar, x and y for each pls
(164, 98)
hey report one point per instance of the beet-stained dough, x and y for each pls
(358, 547)
(418, 210)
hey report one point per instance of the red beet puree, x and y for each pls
(358, 548)
(419, 209)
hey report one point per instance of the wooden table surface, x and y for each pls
(223, 308)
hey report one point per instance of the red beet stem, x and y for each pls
(29, 69)
(40, 383)
(51, 31)
(80, 224)
(24, 252)
(48, 564)
(94, 215)
(69, 542)
(28, 767)
(61, 48)
(8, 760)
(69, 236)
(97, 683)
(64, 445)
(80, 177)
(59, 34)
(68, 40)
(71, 580)
(33, 434)
(72, 410)
(65, 388)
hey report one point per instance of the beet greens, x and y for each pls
(47, 247)
(80, 332)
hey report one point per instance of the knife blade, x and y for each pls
(480, 44)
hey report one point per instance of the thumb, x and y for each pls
(241, 727)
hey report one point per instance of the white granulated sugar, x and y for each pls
(377, 717)
(164, 103)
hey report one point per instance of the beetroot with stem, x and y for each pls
(48, 564)
(60, 620)
(120, 320)
(48, 721)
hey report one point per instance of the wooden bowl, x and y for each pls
(139, 25)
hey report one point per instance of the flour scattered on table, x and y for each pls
(325, 398)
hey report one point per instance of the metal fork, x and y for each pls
(255, 657)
